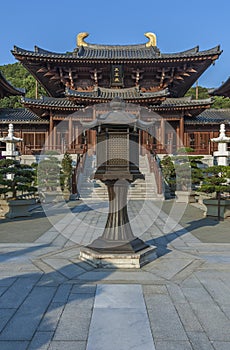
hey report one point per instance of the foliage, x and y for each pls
(182, 172)
(168, 171)
(202, 92)
(184, 150)
(216, 179)
(66, 176)
(221, 102)
(19, 77)
(15, 177)
(48, 173)
(196, 170)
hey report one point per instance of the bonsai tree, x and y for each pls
(66, 176)
(168, 172)
(48, 173)
(196, 170)
(216, 180)
(15, 178)
(182, 173)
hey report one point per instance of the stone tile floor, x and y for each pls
(50, 300)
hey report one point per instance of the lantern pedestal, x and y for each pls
(118, 260)
(118, 247)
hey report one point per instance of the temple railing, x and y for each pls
(154, 166)
(78, 171)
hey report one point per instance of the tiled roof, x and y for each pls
(46, 101)
(223, 90)
(6, 89)
(123, 52)
(213, 116)
(182, 102)
(20, 115)
(108, 93)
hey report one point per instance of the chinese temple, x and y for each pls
(95, 74)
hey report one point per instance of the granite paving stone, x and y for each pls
(67, 345)
(17, 292)
(27, 318)
(5, 315)
(119, 319)
(173, 345)
(165, 321)
(74, 323)
(47, 295)
(41, 341)
(13, 345)
(221, 345)
(214, 322)
(200, 341)
(62, 293)
(51, 317)
(188, 318)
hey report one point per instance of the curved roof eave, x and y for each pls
(122, 52)
(222, 90)
(9, 89)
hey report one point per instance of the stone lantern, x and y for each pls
(10, 153)
(117, 167)
(222, 155)
(10, 141)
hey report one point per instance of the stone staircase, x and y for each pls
(95, 190)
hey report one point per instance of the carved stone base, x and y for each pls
(105, 246)
(118, 260)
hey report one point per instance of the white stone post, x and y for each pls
(10, 142)
(222, 154)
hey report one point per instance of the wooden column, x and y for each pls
(51, 126)
(76, 136)
(54, 146)
(162, 140)
(181, 131)
(70, 138)
(178, 136)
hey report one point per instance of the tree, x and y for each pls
(48, 173)
(221, 102)
(66, 176)
(169, 173)
(202, 92)
(216, 179)
(15, 177)
(182, 172)
(19, 77)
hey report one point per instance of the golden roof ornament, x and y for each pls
(152, 39)
(80, 39)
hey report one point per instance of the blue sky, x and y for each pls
(179, 25)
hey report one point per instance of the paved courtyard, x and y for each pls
(50, 300)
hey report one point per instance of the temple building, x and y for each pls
(95, 74)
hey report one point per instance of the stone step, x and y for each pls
(141, 189)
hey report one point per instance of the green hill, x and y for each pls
(19, 77)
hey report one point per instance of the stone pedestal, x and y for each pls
(119, 260)
(16, 208)
(212, 208)
(118, 247)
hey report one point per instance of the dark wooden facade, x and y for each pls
(140, 75)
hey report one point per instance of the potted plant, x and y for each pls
(216, 182)
(16, 185)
